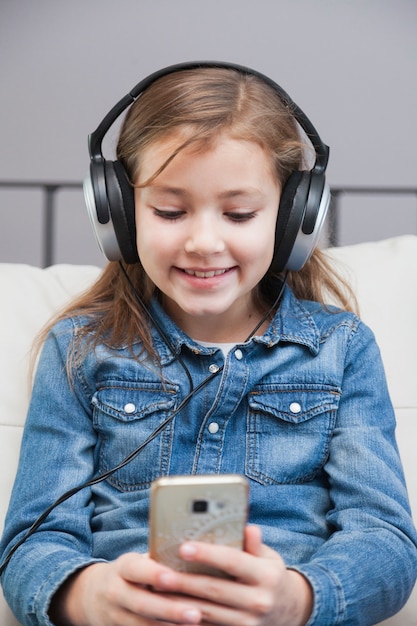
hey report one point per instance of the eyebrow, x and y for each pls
(244, 193)
(174, 191)
(250, 192)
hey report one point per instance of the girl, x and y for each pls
(202, 333)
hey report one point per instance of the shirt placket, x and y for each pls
(231, 390)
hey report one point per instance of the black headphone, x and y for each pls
(110, 198)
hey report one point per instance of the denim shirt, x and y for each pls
(302, 411)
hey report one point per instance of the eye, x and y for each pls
(239, 216)
(168, 214)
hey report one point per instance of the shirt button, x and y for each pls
(238, 354)
(130, 407)
(213, 428)
(213, 368)
(295, 407)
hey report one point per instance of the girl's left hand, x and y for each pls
(262, 591)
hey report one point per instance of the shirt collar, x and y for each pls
(292, 323)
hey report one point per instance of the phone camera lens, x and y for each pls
(200, 506)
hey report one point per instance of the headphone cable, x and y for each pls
(158, 327)
(132, 455)
(100, 477)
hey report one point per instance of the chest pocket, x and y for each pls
(124, 417)
(288, 432)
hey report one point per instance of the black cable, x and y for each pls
(272, 308)
(100, 477)
(157, 326)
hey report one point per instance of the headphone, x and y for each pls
(109, 196)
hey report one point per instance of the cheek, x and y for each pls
(155, 250)
(146, 246)
(141, 244)
(258, 246)
(146, 241)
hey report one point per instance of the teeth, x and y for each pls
(205, 274)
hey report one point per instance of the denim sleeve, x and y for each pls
(372, 548)
(56, 454)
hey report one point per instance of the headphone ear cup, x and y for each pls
(309, 234)
(95, 195)
(290, 217)
(122, 209)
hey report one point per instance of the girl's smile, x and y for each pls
(206, 278)
(206, 231)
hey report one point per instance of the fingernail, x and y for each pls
(165, 579)
(187, 549)
(191, 616)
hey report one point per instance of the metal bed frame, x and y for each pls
(51, 188)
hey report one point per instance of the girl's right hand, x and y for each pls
(119, 593)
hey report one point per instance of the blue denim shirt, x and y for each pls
(303, 411)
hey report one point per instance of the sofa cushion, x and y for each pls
(33, 295)
(384, 277)
(382, 273)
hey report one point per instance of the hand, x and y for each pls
(119, 594)
(262, 593)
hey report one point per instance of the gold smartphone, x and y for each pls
(211, 508)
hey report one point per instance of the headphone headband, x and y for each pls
(110, 201)
(96, 137)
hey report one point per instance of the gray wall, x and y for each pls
(350, 64)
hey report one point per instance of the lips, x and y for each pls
(205, 274)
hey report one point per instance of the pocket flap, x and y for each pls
(294, 403)
(133, 402)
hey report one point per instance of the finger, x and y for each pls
(245, 567)
(217, 615)
(254, 545)
(253, 540)
(137, 568)
(160, 607)
(208, 590)
(252, 608)
(137, 595)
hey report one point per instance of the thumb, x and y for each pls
(253, 540)
(254, 545)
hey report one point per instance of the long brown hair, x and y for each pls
(198, 105)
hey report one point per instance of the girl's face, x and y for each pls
(205, 233)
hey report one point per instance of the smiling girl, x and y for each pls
(208, 341)
(205, 234)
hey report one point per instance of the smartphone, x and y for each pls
(211, 508)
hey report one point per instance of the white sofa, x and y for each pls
(384, 275)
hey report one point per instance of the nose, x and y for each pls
(205, 236)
